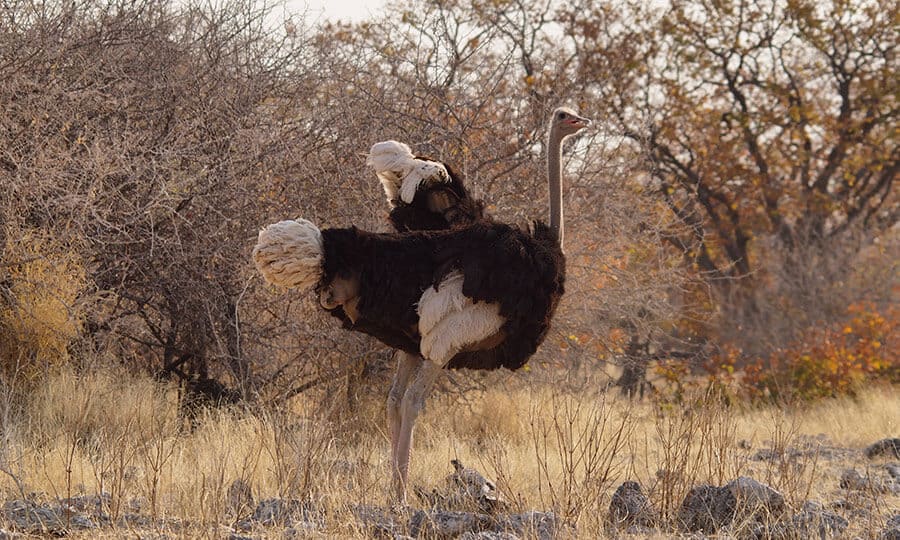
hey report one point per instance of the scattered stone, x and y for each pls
(816, 522)
(94, 504)
(477, 486)
(78, 521)
(298, 531)
(464, 490)
(532, 524)
(172, 526)
(755, 501)
(892, 529)
(813, 521)
(706, 508)
(286, 512)
(136, 505)
(25, 516)
(853, 481)
(805, 447)
(893, 469)
(136, 521)
(273, 511)
(458, 524)
(376, 521)
(629, 507)
(884, 447)
(238, 499)
(444, 523)
(812, 506)
(770, 454)
(41, 519)
(487, 535)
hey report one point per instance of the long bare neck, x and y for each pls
(554, 178)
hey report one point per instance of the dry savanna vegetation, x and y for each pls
(122, 436)
(731, 307)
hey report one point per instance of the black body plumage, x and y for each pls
(522, 271)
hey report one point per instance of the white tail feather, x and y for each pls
(400, 172)
(289, 254)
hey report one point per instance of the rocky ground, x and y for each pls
(468, 507)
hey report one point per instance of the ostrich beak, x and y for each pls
(580, 122)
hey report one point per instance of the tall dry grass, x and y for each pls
(547, 449)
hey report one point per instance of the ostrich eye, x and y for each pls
(561, 115)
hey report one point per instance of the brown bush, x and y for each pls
(40, 317)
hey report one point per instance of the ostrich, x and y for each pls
(479, 295)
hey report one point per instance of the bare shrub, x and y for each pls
(298, 448)
(116, 435)
(577, 445)
(791, 471)
(694, 442)
(151, 140)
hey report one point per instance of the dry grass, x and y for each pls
(546, 449)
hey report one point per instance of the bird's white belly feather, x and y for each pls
(449, 321)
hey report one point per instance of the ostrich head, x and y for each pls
(565, 122)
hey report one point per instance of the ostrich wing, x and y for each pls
(422, 193)
(401, 173)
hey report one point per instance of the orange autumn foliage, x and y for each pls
(831, 361)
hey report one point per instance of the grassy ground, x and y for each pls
(546, 449)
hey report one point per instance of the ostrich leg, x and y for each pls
(406, 366)
(412, 403)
